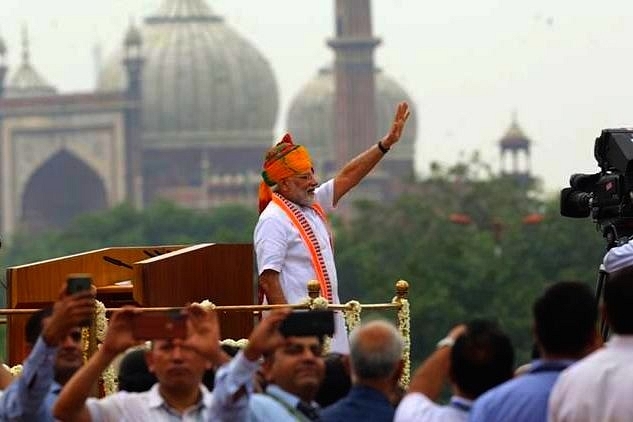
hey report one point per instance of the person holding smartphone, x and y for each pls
(179, 364)
(54, 335)
(293, 243)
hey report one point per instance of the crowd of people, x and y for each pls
(277, 377)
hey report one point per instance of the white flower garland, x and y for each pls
(319, 303)
(15, 370)
(240, 344)
(352, 314)
(109, 375)
(207, 305)
(404, 325)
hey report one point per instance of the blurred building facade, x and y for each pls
(184, 111)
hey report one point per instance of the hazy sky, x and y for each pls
(563, 65)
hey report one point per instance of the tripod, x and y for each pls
(602, 278)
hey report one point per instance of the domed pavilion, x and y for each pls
(209, 105)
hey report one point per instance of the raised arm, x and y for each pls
(71, 404)
(431, 375)
(24, 397)
(356, 169)
(234, 380)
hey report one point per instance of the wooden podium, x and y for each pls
(160, 276)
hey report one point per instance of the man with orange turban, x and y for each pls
(292, 238)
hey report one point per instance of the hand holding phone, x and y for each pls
(77, 283)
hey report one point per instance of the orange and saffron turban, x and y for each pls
(283, 160)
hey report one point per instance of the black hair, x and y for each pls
(33, 327)
(481, 358)
(336, 383)
(134, 375)
(565, 318)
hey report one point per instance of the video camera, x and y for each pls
(606, 196)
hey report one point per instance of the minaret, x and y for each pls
(515, 144)
(133, 62)
(353, 45)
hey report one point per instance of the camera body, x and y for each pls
(606, 196)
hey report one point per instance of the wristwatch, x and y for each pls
(445, 342)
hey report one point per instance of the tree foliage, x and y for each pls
(494, 267)
(161, 223)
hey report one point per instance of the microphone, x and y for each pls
(116, 262)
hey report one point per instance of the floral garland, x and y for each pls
(240, 344)
(15, 370)
(352, 314)
(404, 325)
(319, 303)
(109, 376)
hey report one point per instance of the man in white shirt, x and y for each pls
(474, 357)
(292, 239)
(599, 387)
(179, 365)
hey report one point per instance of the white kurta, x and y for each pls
(598, 387)
(279, 247)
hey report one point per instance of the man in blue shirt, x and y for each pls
(56, 353)
(565, 330)
(376, 364)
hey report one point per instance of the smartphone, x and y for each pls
(159, 325)
(308, 323)
(78, 282)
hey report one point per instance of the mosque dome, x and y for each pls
(311, 116)
(27, 81)
(202, 82)
(514, 137)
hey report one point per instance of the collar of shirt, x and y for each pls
(618, 341)
(56, 388)
(155, 399)
(285, 396)
(461, 403)
(368, 393)
(553, 365)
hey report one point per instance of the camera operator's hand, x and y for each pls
(69, 311)
(266, 337)
(119, 336)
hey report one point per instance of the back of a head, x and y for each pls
(34, 325)
(336, 383)
(481, 358)
(618, 300)
(375, 350)
(134, 376)
(565, 318)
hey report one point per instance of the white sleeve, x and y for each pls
(271, 242)
(413, 407)
(324, 195)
